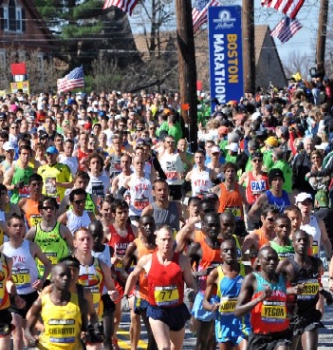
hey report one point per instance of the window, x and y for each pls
(13, 18)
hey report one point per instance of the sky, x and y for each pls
(304, 41)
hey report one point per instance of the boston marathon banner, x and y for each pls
(225, 53)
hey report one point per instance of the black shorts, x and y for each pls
(5, 323)
(306, 323)
(29, 300)
(269, 341)
(108, 305)
(174, 317)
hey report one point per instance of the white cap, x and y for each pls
(233, 147)
(90, 109)
(215, 149)
(301, 197)
(255, 116)
(322, 146)
(7, 146)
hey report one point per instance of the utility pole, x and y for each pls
(187, 67)
(321, 37)
(248, 46)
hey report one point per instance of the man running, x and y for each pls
(264, 295)
(24, 273)
(53, 238)
(167, 271)
(305, 272)
(227, 279)
(61, 313)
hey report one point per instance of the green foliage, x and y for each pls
(76, 31)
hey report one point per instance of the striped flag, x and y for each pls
(125, 5)
(74, 79)
(200, 12)
(289, 7)
(286, 29)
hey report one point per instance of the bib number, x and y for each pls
(309, 291)
(315, 249)
(227, 306)
(62, 331)
(21, 278)
(24, 191)
(236, 211)
(171, 175)
(140, 204)
(166, 296)
(273, 312)
(34, 220)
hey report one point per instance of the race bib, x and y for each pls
(96, 295)
(2, 292)
(21, 278)
(227, 306)
(24, 191)
(140, 204)
(52, 257)
(171, 175)
(50, 187)
(34, 220)
(310, 290)
(61, 331)
(236, 211)
(273, 311)
(315, 249)
(166, 296)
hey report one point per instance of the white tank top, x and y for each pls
(200, 182)
(313, 229)
(74, 222)
(172, 165)
(141, 195)
(24, 270)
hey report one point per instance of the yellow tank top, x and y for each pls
(4, 296)
(62, 325)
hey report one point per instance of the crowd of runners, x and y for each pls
(103, 201)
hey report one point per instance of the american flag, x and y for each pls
(74, 79)
(200, 12)
(289, 7)
(125, 5)
(286, 29)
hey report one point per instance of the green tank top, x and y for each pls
(21, 175)
(52, 245)
(89, 207)
(282, 251)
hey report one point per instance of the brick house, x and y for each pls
(22, 27)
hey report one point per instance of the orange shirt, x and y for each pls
(231, 201)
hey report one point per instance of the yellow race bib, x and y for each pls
(273, 311)
(227, 306)
(21, 277)
(61, 331)
(310, 290)
(166, 296)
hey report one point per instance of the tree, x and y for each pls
(297, 62)
(83, 28)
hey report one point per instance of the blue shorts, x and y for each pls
(140, 305)
(233, 331)
(174, 317)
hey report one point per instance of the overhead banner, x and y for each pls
(225, 53)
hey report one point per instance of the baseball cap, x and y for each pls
(284, 130)
(233, 147)
(52, 150)
(3, 115)
(215, 149)
(43, 134)
(303, 196)
(272, 141)
(275, 173)
(321, 199)
(8, 146)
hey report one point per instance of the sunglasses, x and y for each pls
(257, 160)
(79, 201)
(271, 219)
(47, 208)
